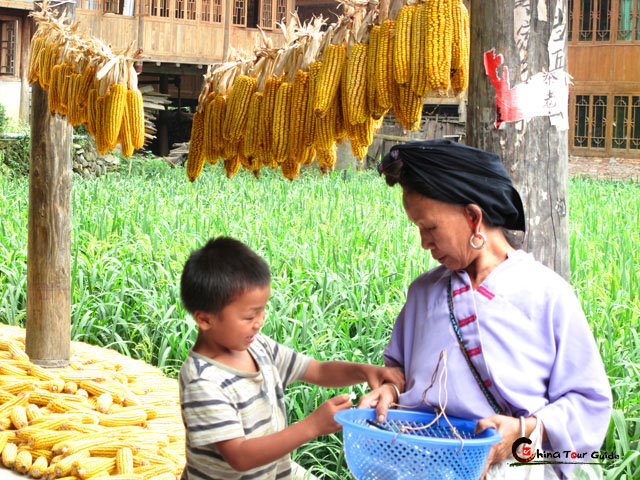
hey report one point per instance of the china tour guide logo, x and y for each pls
(525, 455)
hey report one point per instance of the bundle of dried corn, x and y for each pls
(106, 415)
(286, 107)
(87, 82)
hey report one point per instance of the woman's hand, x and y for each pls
(376, 376)
(380, 398)
(509, 428)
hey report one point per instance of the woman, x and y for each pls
(530, 366)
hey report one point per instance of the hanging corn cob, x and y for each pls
(287, 106)
(70, 65)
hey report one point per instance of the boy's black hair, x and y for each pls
(216, 273)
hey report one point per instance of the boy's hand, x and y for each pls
(376, 376)
(321, 419)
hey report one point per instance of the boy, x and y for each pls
(232, 383)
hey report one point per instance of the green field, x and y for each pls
(342, 254)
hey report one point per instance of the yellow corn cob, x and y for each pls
(235, 117)
(327, 159)
(124, 461)
(125, 138)
(79, 444)
(356, 84)
(4, 438)
(266, 114)
(104, 402)
(384, 70)
(86, 80)
(74, 107)
(54, 90)
(70, 387)
(401, 45)
(231, 166)
(32, 411)
(418, 47)
(42, 373)
(6, 396)
(299, 97)
(250, 140)
(19, 416)
(60, 405)
(63, 466)
(39, 467)
(9, 453)
(375, 109)
(101, 143)
(46, 66)
(195, 160)
(111, 449)
(56, 385)
(290, 168)
(35, 53)
(39, 452)
(136, 114)
(63, 94)
(340, 129)
(460, 48)
(411, 105)
(439, 37)
(114, 104)
(125, 417)
(13, 371)
(150, 471)
(88, 467)
(91, 119)
(5, 423)
(310, 117)
(333, 63)
(5, 409)
(23, 461)
(358, 151)
(48, 438)
(162, 476)
(229, 152)
(281, 112)
(209, 152)
(19, 386)
(325, 135)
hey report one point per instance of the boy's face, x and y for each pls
(236, 326)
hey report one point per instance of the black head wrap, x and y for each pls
(458, 174)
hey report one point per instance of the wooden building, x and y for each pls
(179, 38)
(604, 60)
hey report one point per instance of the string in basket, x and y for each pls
(440, 412)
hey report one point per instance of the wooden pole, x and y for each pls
(228, 15)
(48, 323)
(532, 37)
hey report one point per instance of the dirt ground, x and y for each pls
(605, 168)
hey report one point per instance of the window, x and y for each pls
(628, 10)
(191, 9)
(205, 16)
(570, 21)
(238, 12)
(603, 20)
(90, 5)
(267, 14)
(179, 9)
(590, 121)
(8, 47)
(160, 8)
(253, 13)
(586, 20)
(626, 122)
(111, 6)
(281, 10)
(217, 11)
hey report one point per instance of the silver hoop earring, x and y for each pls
(477, 235)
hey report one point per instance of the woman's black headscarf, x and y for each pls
(454, 173)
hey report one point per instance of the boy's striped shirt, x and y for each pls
(220, 403)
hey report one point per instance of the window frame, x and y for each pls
(576, 18)
(15, 58)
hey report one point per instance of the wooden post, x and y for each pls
(532, 37)
(48, 323)
(228, 15)
(25, 41)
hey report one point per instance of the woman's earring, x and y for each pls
(479, 235)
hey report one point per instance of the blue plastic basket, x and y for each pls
(433, 453)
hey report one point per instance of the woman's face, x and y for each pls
(444, 229)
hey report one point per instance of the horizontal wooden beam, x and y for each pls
(172, 69)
